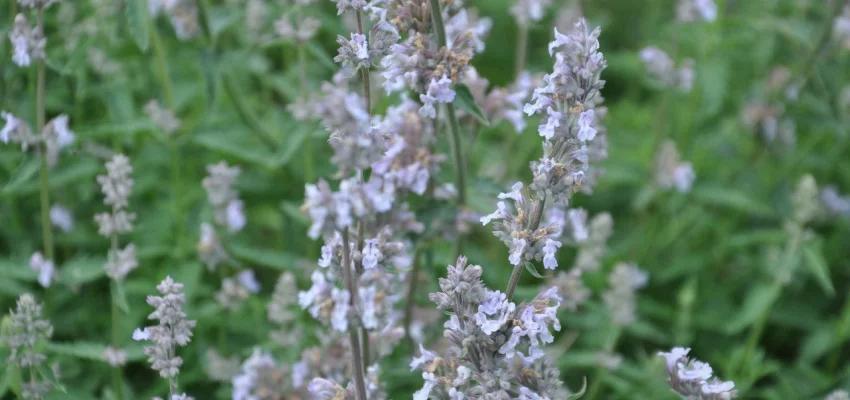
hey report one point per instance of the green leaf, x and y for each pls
(466, 102)
(90, 351)
(136, 12)
(274, 259)
(47, 374)
(731, 198)
(17, 270)
(581, 392)
(758, 302)
(245, 114)
(219, 141)
(23, 175)
(11, 380)
(119, 296)
(817, 266)
(529, 266)
(81, 270)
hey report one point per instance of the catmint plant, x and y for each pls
(117, 185)
(692, 378)
(28, 331)
(172, 330)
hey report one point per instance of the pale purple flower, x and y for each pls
(247, 279)
(61, 217)
(493, 312)
(44, 267)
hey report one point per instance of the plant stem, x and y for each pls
(367, 86)
(454, 125)
(411, 293)
(356, 359)
(117, 381)
(46, 228)
(535, 223)
(521, 49)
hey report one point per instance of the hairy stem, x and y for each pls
(454, 125)
(46, 228)
(356, 359)
(521, 49)
(536, 217)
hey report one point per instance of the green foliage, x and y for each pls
(714, 255)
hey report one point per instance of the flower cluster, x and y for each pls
(567, 98)
(27, 43)
(260, 377)
(163, 118)
(334, 211)
(223, 197)
(28, 331)
(211, 252)
(834, 203)
(360, 53)
(55, 136)
(495, 345)
(692, 378)
(117, 185)
(281, 309)
(172, 330)
(670, 171)
(44, 267)
(625, 279)
(420, 63)
(696, 10)
(521, 229)
(663, 69)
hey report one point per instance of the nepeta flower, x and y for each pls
(25, 335)
(223, 197)
(260, 376)
(117, 184)
(45, 268)
(493, 312)
(692, 378)
(121, 262)
(439, 91)
(521, 230)
(362, 53)
(833, 202)
(172, 330)
(163, 118)
(27, 43)
(571, 288)
(670, 172)
(696, 10)
(61, 217)
(16, 130)
(114, 357)
(303, 30)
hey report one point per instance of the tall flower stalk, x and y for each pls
(117, 185)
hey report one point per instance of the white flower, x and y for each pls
(493, 312)
(371, 254)
(141, 334)
(12, 124)
(249, 280)
(683, 177)
(578, 222)
(517, 250)
(235, 220)
(64, 135)
(586, 131)
(716, 386)
(694, 371)
(500, 213)
(425, 357)
(61, 218)
(44, 267)
(553, 122)
(430, 382)
(673, 357)
(361, 47)
(339, 315)
(549, 249)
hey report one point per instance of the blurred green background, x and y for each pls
(711, 253)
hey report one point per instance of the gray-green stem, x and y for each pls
(521, 49)
(454, 125)
(535, 223)
(356, 358)
(367, 94)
